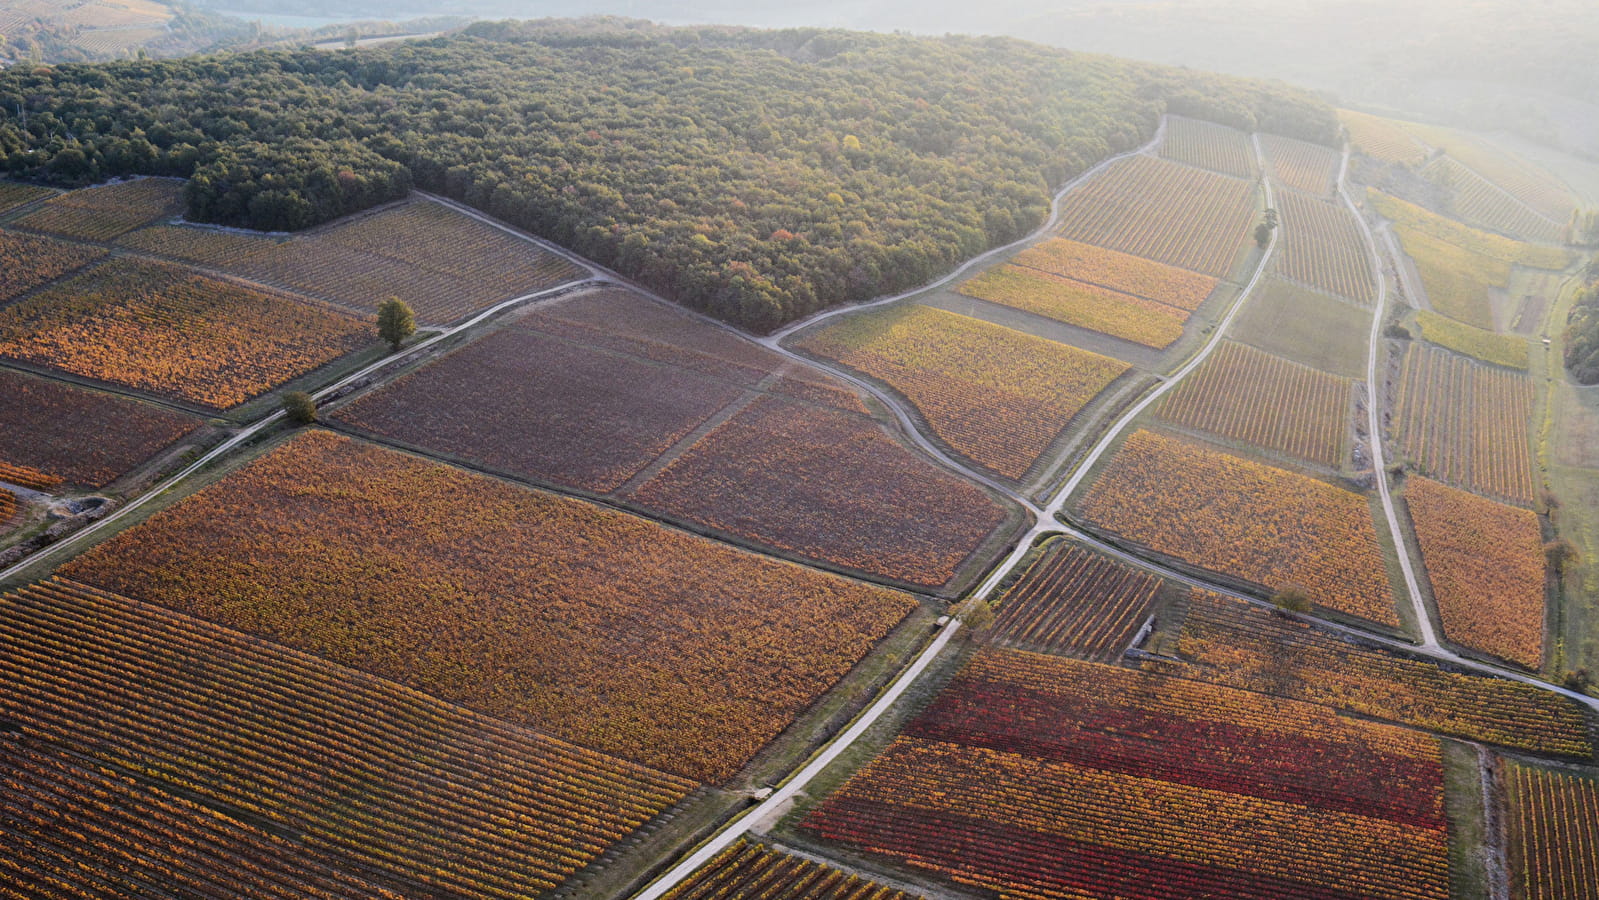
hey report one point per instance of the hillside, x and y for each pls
(758, 176)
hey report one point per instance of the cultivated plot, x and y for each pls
(613, 393)
(1125, 316)
(1230, 642)
(53, 433)
(605, 629)
(14, 194)
(1265, 525)
(1033, 775)
(28, 261)
(444, 264)
(1552, 824)
(1305, 326)
(1250, 396)
(749, 871)
(1485, 561)
(366, 774)
(1209, 146)
(1384, 139)
(1466, 423)
(175, 333)
(1321, 246)
(1121, 272)
(1164, 211)
(1075, 602)
(105, 212)
(1481, 202)
(997, 396)
(1302, 166)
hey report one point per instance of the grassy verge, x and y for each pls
(1468, 825)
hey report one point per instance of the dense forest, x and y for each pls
(1582, 334)
(757, 175)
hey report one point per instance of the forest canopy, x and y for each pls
(756, 175)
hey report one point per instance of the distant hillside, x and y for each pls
(758, 175)
(86, 30)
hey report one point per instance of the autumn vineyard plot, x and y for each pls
(49, 425)
(1466, 424)
(106, 212)
(1076, 303)
(1164, 211)
(605, 629)
(1074, 602)
(1039, 776)
(747, 871)
(592, 391)
(1302, 166)
(1552, 825)
(828, 486)
(1383, 139)
(1265, 525)
(1250, 396)
(997, 396)
(378, 777)
(1209, 146)
(446, 265)
(1322, 247)
(1121, 272)
(1485, 561)
(174, 333)
(1229, 642)
(1481, 202)
(71, 829)
(28, 261)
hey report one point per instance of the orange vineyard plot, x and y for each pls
(1230, 642)
(1321, 246)
(1486, 564)
(1302, 166)
(69, 824)
(46, 429)
(8, 507)
(28, 261)
(747, 871)
(1127, 274)
(1164, 211)
(1254, 397)
(1209, 146)
(1466, 424)
(1076, 602)
(1075, 303)
(169, 331)
(829, 486)
(103, 213)
(1269, 526)
(225, 250)
(606, 629)
(377, 778)
(1037, 776)
(1552, 823)
(997, 396)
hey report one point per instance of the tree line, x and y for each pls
(756, 175)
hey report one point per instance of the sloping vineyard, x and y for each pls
(1244, 394)
(1302, 166)
(1164, 211)
(1088, 306)
(106, 212)
(1262, 524)
(361, 768)
(1074, 602)
(1481, 202)
(1321, 246)
(1208, 146)
(1466, 424)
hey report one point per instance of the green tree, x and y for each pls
(1291, 600)
(299, 408)
(396, 322)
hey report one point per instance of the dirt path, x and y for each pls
(1374, 407)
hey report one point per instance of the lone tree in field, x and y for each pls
(396, 322)
(1291, 600)
(299, 408)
